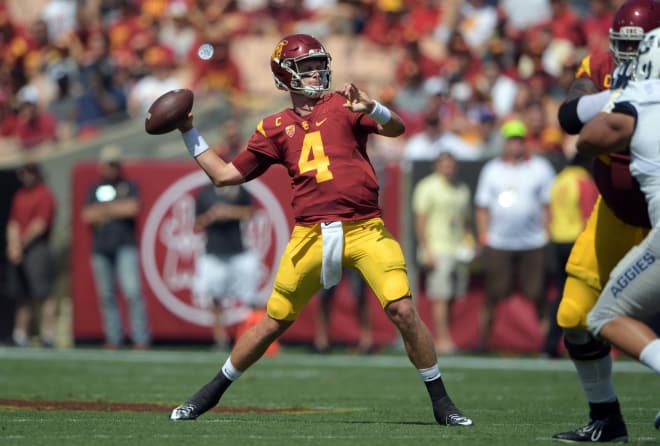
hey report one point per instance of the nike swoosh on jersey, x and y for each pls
(320, 123)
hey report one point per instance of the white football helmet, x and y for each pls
(648, 56)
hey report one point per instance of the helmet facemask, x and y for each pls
(297, 83)
(623, 43)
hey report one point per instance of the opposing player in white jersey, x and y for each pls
(632, 293)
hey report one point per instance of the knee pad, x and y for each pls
(582, 346)
(280, 308)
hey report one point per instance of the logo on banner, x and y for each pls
(170, 246)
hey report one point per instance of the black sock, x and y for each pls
(601, 411)
(436, 389)
(208, 396)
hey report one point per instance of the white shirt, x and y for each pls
(516, 196)
(422, 146)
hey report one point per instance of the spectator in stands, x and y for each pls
(7, 124)
(477, 22)
(597, 23)
(219, 74)
(63, 72)
(544, 136)
(441, 205)
(424, 17)
(161, 79)
(385, 25)
(101, 104)
(322, 342)
(572, 198)
(176, 31)
(31, 272)
(60, 18)
(565, 23)
(414, 57)
(511, 200)
(111, 210)
(34, 125)
(424, 145)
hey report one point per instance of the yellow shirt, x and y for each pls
(447, 207)
(572, 197)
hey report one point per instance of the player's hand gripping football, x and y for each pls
(358, 100)
(185, 124)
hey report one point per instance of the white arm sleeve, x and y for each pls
(590, 105)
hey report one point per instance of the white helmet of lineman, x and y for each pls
(648, 56)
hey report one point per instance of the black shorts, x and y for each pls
(34, 277)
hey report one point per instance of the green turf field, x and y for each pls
(94, 397)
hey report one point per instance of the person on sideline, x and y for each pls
(441, 205)
(572, 198)
(321, 140)
(221, 272)
(31, 270)
(512, 215)
(111, 210)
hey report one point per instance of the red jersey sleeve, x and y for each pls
(251, 164)
(597, 67)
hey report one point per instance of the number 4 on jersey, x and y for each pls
(312, 157)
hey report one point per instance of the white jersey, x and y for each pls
(644, 98)
(632, 289)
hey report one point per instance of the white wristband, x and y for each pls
(195, 142)
(380, 113)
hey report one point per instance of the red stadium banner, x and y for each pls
(169, 245)
(168, 248)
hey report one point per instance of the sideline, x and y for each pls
(395, 361)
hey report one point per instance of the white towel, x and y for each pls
(332, 234)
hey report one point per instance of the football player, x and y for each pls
(321, 141)
(631, 295)
(618, 222)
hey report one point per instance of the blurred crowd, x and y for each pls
(72, 68)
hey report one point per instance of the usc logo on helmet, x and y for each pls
(277, 52)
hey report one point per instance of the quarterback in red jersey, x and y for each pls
(321, 141)
(618, 221)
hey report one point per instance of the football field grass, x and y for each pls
(94, 397)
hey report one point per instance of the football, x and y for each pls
(168, 111)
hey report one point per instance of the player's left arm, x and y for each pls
(606, 133)
(389, 122)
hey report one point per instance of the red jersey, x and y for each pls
(30, 203)
(326, 157)
(619, 189)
